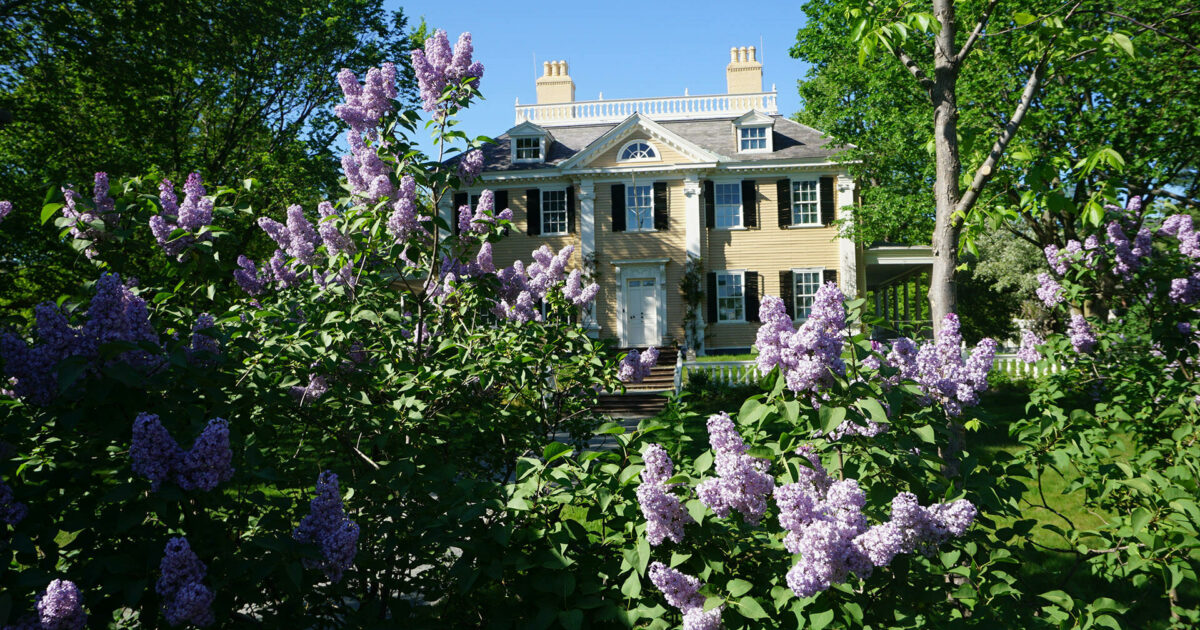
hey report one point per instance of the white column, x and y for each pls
(691, 214)
(692, 234)
(847, 251)
(587, 246)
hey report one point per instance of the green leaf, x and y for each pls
(554, 450)
(632, 587)
(571, 619)
(738, 587)
(1141, 517)
(925, 433)
(832, 418)
(751, 609)
(1058, 597)
(1022, 18)
(49, 210)
(703, 462)
(872, 407)
(817, 621)
(643, 549)
(1122, 41)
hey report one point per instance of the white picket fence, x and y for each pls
(744, 372)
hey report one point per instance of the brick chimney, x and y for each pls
(743, 75)
(555, 85)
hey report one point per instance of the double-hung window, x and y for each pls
(639, 208)
(554, 212)
(529, 149)
(806, 206)
(752, 139)
(805, 285)
(728, 205)
(731, 297)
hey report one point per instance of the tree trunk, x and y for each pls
(943, 296)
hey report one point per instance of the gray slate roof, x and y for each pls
(792, 141)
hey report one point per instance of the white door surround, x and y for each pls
(641, 301)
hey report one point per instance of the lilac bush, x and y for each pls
(939, 369)
(810, 358)
(635, 366)
(11, 510)
(60, 607)
(682, 591)
(5, 209)
(155, 455)
(742, 483)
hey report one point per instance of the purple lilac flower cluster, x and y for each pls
(185, 598)
(5, 208)
(204, 336)
(115, 314)
(941, 372)
(484, 216)
(523, 289)
(1028, 351)
(683, 592)
(1127, 257)
(809, 357)
(195, 213)
(11, 511)
(297, 239)
(1085, 254)
(103, 209)
(437, 68)
(329, 528)
(664, 512)
(635, 366)
(1185, 290)
(827, 528)
(156, 456)
(469, 166)
(317, 386)
(60, 607)
(742, 481)
(1049, 291)
(1080, 332)
(364, 107)
(404, 220)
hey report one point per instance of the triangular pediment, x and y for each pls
(754, 117)
(639, 126)
(527, 129)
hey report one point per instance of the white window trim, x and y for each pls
(542, 211)
(820, 271)
(541, 150)
(769, 148)
(792, 205)
(657, 154)
(731, 272)
(741, 206)
(629, 186)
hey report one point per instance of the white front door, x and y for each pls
(641, 312)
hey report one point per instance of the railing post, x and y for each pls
(678, 372)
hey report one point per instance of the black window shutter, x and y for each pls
(618, 207)
(711, 290)
(571, 209)
(787, 292)
(826, 201)
(460, 200)
(662, 210)
(710, 203)
(749, 205)
(751, 293)
(783, 188)
(829, 275)
(501, 204)
(533, 211)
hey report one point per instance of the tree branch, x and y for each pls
(922, 79)
(974, 36)
(1148, 27)
(1187, 201)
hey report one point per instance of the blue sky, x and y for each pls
(623, 49)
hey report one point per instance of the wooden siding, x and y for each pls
(612, 246)
(768, 250)
(519, 245)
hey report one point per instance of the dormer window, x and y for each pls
(752, 139)
(528, 150)
(752, 132)
(637, 151)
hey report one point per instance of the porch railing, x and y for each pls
(744, 372)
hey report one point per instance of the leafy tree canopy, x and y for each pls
(231, 90)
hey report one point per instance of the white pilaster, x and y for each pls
(847, 251)
(691, 213)
(692, 234)
(587, 246)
